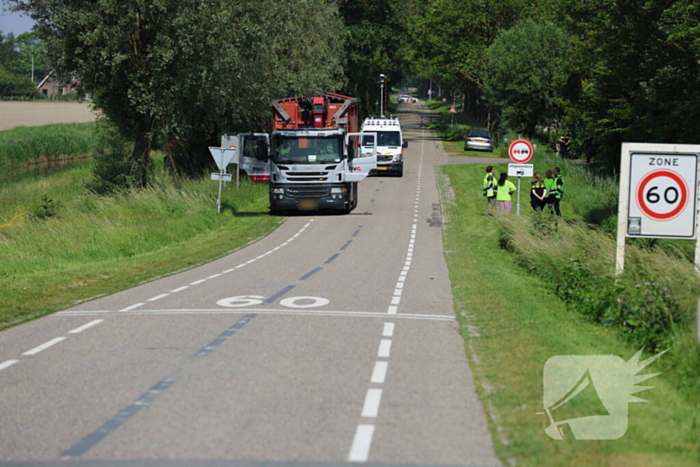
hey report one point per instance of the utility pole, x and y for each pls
(382, 79)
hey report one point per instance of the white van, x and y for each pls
(389, 144)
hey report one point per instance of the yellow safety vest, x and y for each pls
(503, 192)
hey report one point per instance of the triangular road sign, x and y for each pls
(222, 156)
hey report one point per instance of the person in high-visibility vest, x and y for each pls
(558, 190)
(490, 189)
(550, 185)
(538, 193)
(504, 190)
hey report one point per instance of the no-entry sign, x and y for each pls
(662, 195)
(520, 151)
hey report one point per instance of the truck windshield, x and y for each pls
(386, 138)
(307, 150)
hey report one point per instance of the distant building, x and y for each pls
(51, 87)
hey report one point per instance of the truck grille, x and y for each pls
(308, 191)
(384, 158)
(307, 176)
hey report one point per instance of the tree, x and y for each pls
(523, 63)
(189, 70)
(32, 56)
(375, 34)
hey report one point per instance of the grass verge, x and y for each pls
(513, 322)
(61, 244)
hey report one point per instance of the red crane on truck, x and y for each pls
(313, 159)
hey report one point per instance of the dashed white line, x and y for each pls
(85, 326)
(7, 364)
(157, 297)
(133, 307)
(228, 270)
(44, 346)
(198, 282)
(180, 289)
(395, 300)
(359, 452)
(372, 401)
(388, 330)
(392, 310)
(397, 292)
(379, 372)
(384, 348)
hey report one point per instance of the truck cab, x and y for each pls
(389, 144)
(313, 169)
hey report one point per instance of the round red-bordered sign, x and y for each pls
(520, 151)
(682, 198)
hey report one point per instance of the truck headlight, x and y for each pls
(337, 190)
(278, 191)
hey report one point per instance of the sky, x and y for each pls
(14, 22)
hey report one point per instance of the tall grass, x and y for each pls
(60, 242)
(20, 147)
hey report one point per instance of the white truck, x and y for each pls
(389, 144)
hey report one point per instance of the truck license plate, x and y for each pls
(308, 205)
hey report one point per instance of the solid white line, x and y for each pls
(240, 311)
(133, 307)
(228, 270)
(379, 372)
(44, 346)
(198, 282)
(384, 348)
(240, 266)
(180, 289)
(388, 330)
(392, 310)
(85, 326)
(372, 401)
(251, 261)
(157, 297)
(7, 364)
(214, 276)
(361, 444)
(395, 300)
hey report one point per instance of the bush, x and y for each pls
(114, 171)
(654, 296)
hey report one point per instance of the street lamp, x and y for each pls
(382, 79)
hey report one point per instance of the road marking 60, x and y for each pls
(242, 301)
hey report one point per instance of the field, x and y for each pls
(17, 114)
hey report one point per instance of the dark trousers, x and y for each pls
(554, 202)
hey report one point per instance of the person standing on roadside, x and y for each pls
(549, 186)
(564, 144)
(538, 193)
(557, 191)
(504, 191)
(490, 189)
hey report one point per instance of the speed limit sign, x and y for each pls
(662, 195)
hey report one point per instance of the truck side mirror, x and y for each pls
(351, 152)
(405, 144)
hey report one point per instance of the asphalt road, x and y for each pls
(330, 341)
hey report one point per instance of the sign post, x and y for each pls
(222, 158)
(658, 195)
(520, 151)
(453, 111)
